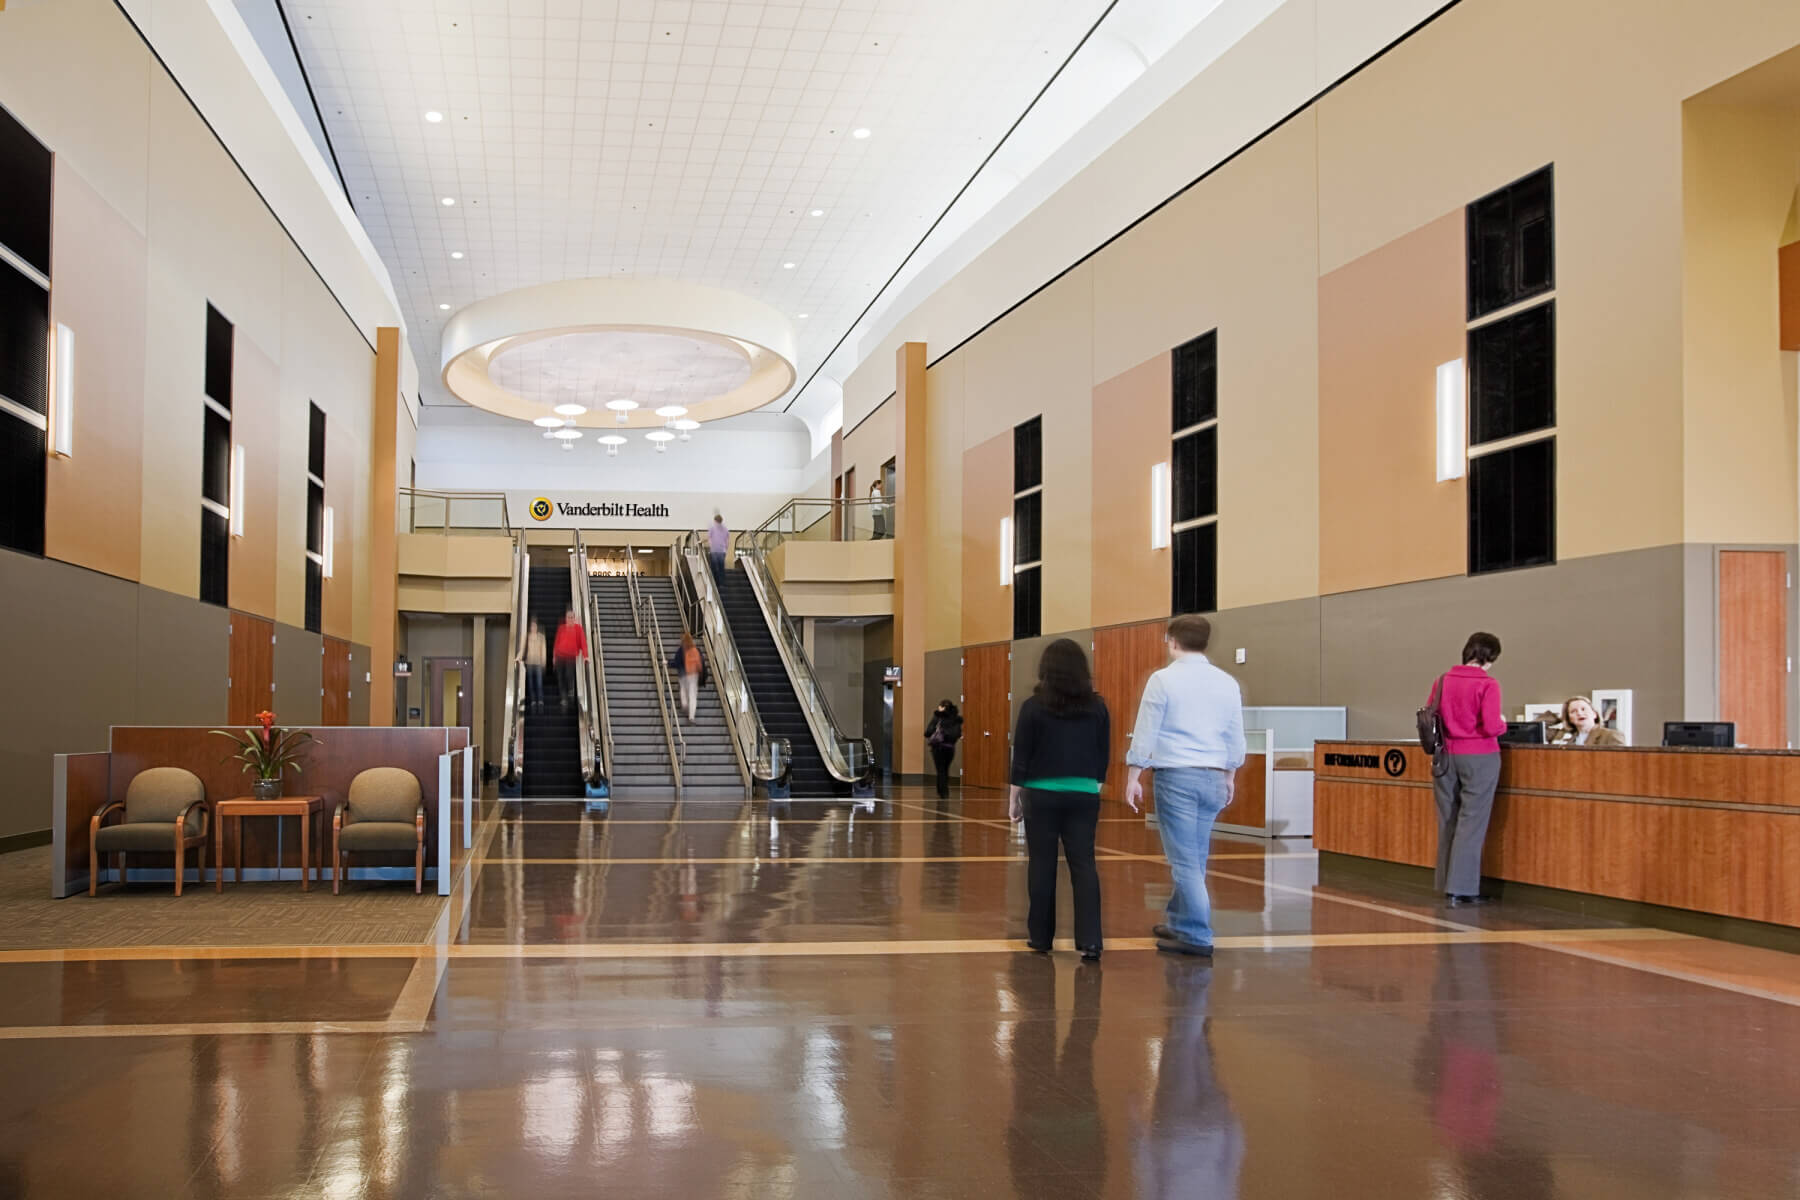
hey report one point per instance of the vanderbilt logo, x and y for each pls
(540, 509)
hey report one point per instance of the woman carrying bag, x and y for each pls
(942, 733)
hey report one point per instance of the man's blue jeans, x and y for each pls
(1188, 801)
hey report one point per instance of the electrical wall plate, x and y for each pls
(1242, 655)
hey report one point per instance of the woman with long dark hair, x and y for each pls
(1061, 747)
(942, 732)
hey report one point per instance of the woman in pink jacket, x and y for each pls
(1468, 700)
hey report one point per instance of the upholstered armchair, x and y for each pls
(385, 810)
(164, 809)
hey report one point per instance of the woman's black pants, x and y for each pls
(1068, 818)
(940, 758)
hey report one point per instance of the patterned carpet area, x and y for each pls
(248, 914)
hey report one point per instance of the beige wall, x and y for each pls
(987, 471)
(1131, 433)
(152, 221)
(944, 400)
(1386, 321)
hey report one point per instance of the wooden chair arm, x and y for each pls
(182, 820)
(419, 824)
(94, 823)
(337, 816)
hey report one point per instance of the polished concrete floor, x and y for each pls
(823, 1000)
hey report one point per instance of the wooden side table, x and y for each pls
(307, 808)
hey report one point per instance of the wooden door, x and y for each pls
(334, 683)
(849, 527)
(837, 509)
(1753, 657)
(1125, 656)
(251, 662)
(987, 714)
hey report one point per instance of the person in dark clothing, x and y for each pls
(942, 733)
(1061, 746)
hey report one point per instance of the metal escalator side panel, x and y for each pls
(763, 754)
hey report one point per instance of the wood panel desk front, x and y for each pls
(1714, 831)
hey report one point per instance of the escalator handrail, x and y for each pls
(763, 755)
(850, 760)
(510, 764)
(597, 748)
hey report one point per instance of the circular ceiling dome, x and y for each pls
(590, 341)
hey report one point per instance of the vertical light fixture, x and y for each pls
(236, 497)
(1452, 415)
(1159, 506)
(1006, 552)
(62, 393)
(330, 529)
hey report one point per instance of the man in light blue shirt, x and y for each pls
(1190, 731)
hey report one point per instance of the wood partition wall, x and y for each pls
(1125, 656)
(94, 780)
(987, 715)
(1714, 831)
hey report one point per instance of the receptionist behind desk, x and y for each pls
(1581, 725)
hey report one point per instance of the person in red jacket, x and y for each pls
(571, 648)
(1468, 700)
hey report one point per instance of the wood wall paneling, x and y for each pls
(1790, 296)
(334, 682)
(1753, 660)
(1131, 434)
(252, 668)
(1250, 795)
(1386, 321)
(1125, 656)
(986, 499)
(911, 491)
(986, 715)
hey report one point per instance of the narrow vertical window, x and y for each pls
(24, 335)
(215, 462)
(1028, 528)
(1194, 462)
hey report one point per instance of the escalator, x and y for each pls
(776, 699)
(552, 747)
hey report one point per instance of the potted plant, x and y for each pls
(268, 754)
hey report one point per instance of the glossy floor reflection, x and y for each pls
(721, 1000)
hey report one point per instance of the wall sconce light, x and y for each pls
(1452, 415)
(1006, 552)
(236, 495)
(62, 393)
(1159, 506)
(330, 530)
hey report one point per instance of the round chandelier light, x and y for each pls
(672, 411)
(612, 442)
(570, 410)
(548, 422)
(662, 438)
(567, 435)
(623, 408)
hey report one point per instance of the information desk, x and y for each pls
(1714, 831)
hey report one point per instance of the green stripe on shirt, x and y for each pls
(1067, 783)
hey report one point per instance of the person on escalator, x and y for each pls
(536, 655)
(690, 668)
(571, 648)
(718, 539)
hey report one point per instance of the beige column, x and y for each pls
(911, 487)
(478, 710)
(384, 560)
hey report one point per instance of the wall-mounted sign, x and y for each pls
(542, 508)
(891, 675)
(402, 668)
(1393, 762)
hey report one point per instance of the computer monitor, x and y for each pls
(1700, 733)
(1523, 733)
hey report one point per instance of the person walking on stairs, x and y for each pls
(942, 732)
(689, 667)
(536, 655)
(571, 648)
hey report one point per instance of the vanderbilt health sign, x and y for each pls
(592, 510)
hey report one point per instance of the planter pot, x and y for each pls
(265, 789)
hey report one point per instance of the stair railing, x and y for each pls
(849, 759)
(589, 694)
(513, 735)
(643, 614)
(762, 755)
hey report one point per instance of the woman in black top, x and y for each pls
(1061, 748)
(942, 733)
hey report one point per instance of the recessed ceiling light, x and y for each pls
(646, 550)
(456, 254)
(448, 202)
(859, 134)
(817, 212)
(443, 308)
(570, 410)
(789, 266)
(548, 422)
(671, 410)
(434, 116)
(803, 316)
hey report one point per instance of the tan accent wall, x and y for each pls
(343, 482)
(256, 426)
(1386, 321)
(1038, 361)
(91, 497)
(987, 471)
(870, 445)
(1740, 166)
(944, 395)
(392, 434)
(1790, 296)
(912, 485)
(1131, 418)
